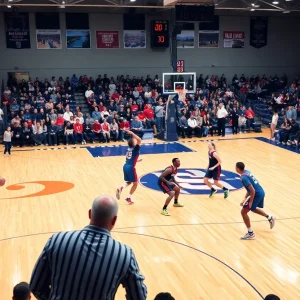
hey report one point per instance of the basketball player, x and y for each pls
(214, 171)
(254, 198)
(129, 171)
(169, 185)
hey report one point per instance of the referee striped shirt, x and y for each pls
(86, 265)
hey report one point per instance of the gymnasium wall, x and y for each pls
(279, 56)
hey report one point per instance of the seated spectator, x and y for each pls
(242, 123)
(37, 134)
(96, 115)
(293, 132)
(89, 119)
(14, 107)
(135, 93)
(17, 134)
(183, 126)
(291, 113)
(74, 81)
(205, 126)
(137, 127)
(87, 131)
(159, 115)
(250, 117)
(112, 87)
(21, 291)
(96, 128)
(27, 135)
(193, 126)
(78, 132)
(88, 93)
(272, 297)
(114, 129)
(45, 132)
(80, 117)
(52, 134)
(69, 132)
(165, 296)
(105, 128)
(124, 126)
(68, 114)
(284, 131)
(53, 82)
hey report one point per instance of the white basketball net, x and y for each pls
(181, 95)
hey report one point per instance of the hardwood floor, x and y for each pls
(195, 253)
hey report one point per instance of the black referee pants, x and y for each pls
(221, 126)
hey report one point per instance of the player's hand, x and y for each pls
(171, 183)
(139, 160)
(210, 169)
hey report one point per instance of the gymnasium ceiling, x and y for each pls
(231, 7)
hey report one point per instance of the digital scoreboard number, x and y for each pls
(160, 36)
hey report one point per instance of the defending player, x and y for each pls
(169, 185)
(214, 171)
(129, 171)
(253, 199)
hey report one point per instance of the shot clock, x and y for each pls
(160, 37)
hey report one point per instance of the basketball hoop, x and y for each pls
(181, 95)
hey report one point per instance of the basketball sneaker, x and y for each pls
(226, 194)
(212, 193)
(129, 201)
(178, 205)
(118, 193)
(272, 222)
(248, 236)
(165, 212)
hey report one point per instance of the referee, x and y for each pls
(221, 115)
(88, 264)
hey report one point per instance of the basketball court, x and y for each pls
(196, 253)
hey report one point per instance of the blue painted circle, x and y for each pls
(191, 181)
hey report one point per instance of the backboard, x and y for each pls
(173, 81)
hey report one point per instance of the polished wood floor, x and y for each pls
(195, 253)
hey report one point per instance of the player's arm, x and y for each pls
(138, 139)
(166, 172)
(217, 157)
(252, 194)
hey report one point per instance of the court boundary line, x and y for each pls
(202, 252)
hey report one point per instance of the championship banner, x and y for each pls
(134, 39)
(48, 39)
(258, 32)
(107, 39)
(17, 30)
(78, 39)
(234, 39)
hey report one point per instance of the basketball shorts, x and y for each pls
(165, 187)
(129, 174)
(258, 202)
(215, 173)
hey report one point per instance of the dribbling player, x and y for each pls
(253, 199)
(169, 185)
(129, 171)
(214, 171)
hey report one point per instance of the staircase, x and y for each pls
(81, 101)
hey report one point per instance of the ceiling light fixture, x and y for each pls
(64, 2)
(10, 0)
(8, 6)
(286, 12)
(132, 0)
(275, 2)
(252, 9)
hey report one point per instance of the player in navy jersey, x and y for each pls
(169, 185)
(214, 171)
(132, 157)
(254, 198)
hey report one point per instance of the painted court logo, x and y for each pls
(191, 181)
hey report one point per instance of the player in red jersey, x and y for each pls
(169, 185)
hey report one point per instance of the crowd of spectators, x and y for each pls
(45, 112)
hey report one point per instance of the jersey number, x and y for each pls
(254, 179)
(128, 154)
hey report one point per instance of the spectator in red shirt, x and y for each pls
(115, 96)
(105, 131)
(78, 132)
(150, 122)
(250, 117)
(96, 128)
(124, 125)
(134, 107)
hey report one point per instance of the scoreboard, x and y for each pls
(160, 36)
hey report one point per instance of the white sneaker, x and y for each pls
(248, 236)
(272, 222)
(82, 143)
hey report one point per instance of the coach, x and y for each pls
(221, 115)
(88, 264)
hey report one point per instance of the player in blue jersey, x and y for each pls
(254, 200)
(132, 157)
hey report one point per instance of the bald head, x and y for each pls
(104, 212)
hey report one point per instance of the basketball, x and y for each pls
(2, 181)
